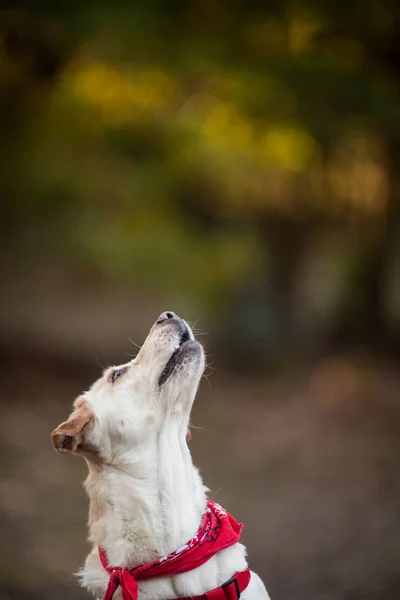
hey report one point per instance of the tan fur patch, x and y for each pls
(95, 511)
(69, 435)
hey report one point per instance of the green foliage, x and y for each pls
(156, 133)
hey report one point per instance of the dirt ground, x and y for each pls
(310, 463)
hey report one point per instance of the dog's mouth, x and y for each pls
(176, 358)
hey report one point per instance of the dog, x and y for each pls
(147, 500)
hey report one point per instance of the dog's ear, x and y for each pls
(69, 436)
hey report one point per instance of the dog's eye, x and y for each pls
(117, 373)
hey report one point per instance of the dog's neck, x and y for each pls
(147, 504)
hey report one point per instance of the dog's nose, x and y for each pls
(165, 316)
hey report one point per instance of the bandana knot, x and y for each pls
(125, 579)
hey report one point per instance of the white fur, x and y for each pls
(146, 497)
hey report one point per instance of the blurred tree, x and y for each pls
(220, 138)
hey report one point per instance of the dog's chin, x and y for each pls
(186, 361)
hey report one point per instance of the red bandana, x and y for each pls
(218, 530)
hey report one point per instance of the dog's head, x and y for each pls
(130, 405)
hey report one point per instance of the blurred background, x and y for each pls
(237, 163)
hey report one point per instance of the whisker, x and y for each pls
(134, 343)
(200, 428)
(217, 491)
(206, 378)
(100, 365)
(192, 326)
(198, 332)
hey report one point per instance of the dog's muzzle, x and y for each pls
(186, 343)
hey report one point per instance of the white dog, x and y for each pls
(154, 534)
